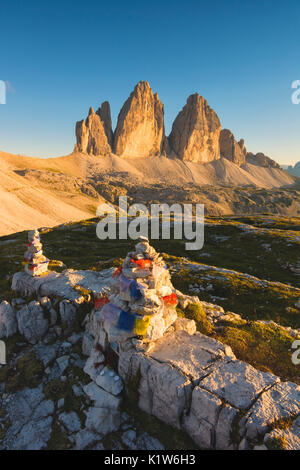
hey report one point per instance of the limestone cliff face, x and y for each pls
(231, 149)
(140, 128)
(94, 135)
(195, 132)
(105, 116)
(242, 146)
(260, 159)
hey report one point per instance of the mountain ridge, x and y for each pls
(196, 134)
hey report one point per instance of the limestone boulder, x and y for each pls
(278, 403)
(102, 420)
(8, 320)
(238, 383)
(202, 417)
(30, 416)
(32, 322)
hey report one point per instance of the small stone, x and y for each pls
(129, 438)
(58, 330)
(85, 438)
(100, 397)
(106, 381)
(63, 362)
(74, 338)
(61, 402)
(71, 421)
(103, 420)
(77, 391)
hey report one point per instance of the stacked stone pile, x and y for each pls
(142, 300)
(36, 262)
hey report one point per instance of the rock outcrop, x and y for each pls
(237, 153)
(105, 116)
(140, 128)
(260, 159)
(242, 146)
(185, 379)
(94, 135)
(231, 149)
(195, 132)
(8, 321)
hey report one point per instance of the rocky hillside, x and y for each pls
(241, 293)
(45, 192)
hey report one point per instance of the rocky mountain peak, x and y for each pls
(92, 134)
(195, 132)
(140, 128)
(105, 116)
(231, 149)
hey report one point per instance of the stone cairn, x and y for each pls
(36, 262)
(141, 301)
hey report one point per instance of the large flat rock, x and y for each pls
(61, 285)
(279, 402)
(191, 354)
(238, 383)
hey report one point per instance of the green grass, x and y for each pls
(196, 312)
(27, 372)
(266, 347)
(238, 293)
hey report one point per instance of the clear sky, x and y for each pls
(60, 57)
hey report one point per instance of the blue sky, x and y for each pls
(61, 57)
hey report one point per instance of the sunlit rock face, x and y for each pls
(105, 116)
(195, 132)
(94, 135)
(140, 128)
(231, 149)
(260, 159)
